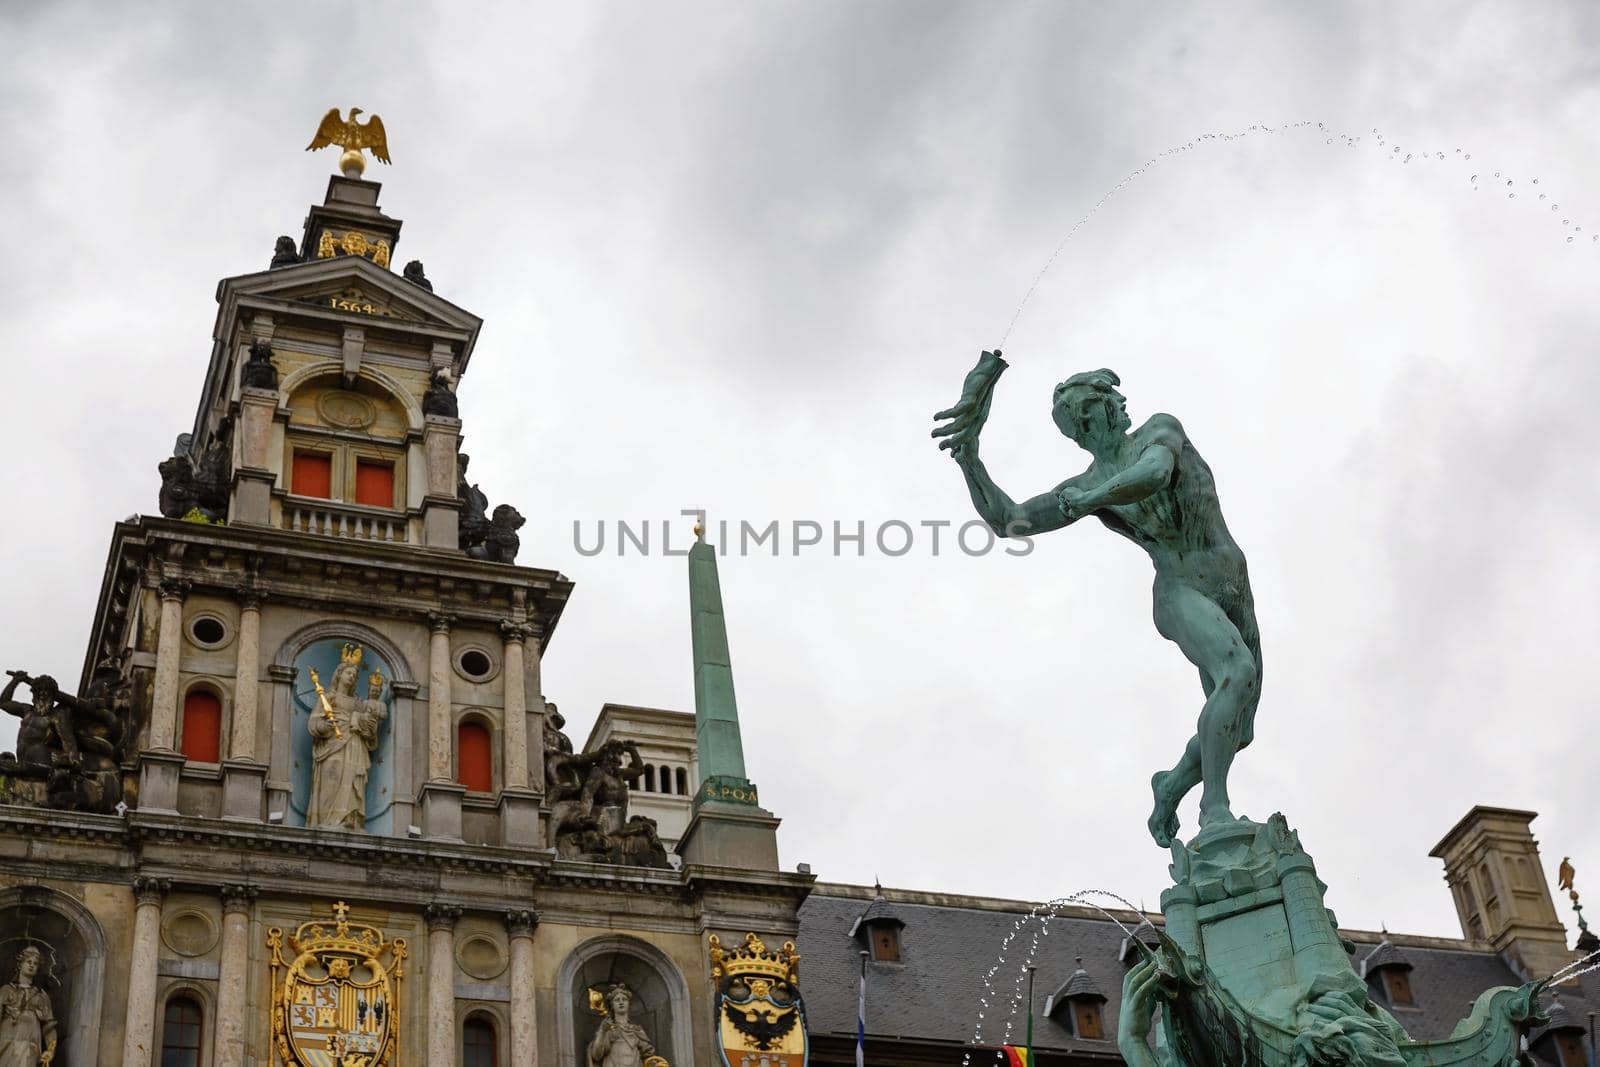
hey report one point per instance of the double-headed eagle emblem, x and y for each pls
(352, 136)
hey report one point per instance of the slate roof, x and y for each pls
(935, 991)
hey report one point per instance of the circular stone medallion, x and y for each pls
(189, 933)
(481, 956)
(346, 410)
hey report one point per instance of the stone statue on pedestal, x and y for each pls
(587, 793)
(1151, 486)
(344, 732)
(27, 1025)
(620, 1042)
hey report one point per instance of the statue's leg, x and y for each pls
(1211, 642)
(1170, 787)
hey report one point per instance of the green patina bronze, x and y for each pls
(716, 712)
(1251, 970)
(1151, 486)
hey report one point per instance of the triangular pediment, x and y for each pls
(346, 285)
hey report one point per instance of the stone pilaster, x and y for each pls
(138, 1044)
(232, 979)
(441, 508)
(253, 478)
(520, 926)
(442, 984)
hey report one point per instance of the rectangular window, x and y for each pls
(375, 483)
(312, 474)
(1398, 985)
(1086, 1018)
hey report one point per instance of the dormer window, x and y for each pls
(1388, 971)
(1078, 1005)
(1561, 1040)
(879, 928)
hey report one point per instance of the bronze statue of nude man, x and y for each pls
(1151, 486)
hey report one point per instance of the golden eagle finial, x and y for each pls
(352, 136)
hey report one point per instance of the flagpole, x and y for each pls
(861, 1015)
(1031, 969)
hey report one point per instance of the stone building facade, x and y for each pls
(309, 804)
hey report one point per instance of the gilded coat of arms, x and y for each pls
(761, 1020)
(337, 1002)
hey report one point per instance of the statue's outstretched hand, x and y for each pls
(966, 418)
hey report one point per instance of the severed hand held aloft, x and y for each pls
(967, 417)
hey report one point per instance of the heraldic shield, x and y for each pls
(761, 1020)
(337, 1004)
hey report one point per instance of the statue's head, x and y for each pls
(507, 517)
(344, 678)
(286, 246)
(619, 999)
(1087, 407)
(45, 690)
(29, 960)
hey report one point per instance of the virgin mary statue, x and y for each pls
(344, 734)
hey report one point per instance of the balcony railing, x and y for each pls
(332, 519)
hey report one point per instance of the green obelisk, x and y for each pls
(716, 712)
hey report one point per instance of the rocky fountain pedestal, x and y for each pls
(1253, 971)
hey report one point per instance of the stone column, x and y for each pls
(439, 746)
(515, 773)
(442, 1039)
(232, 985)
(138, 1043)
(519, 804)
(246, 678)
(520, 925)
(169, 646)
(244, 772)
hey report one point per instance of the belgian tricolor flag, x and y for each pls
(1017, 1057)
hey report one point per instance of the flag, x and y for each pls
(861, 1016)
(1017, 1057)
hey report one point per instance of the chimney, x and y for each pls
(1491, 863)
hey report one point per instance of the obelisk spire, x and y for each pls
(716, 712)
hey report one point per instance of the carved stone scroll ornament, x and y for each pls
(27, 1023)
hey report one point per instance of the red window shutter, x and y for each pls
(312, 475)
(202, 726)
(375, 483)
(474, 757)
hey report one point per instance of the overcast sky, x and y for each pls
(735, 255)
